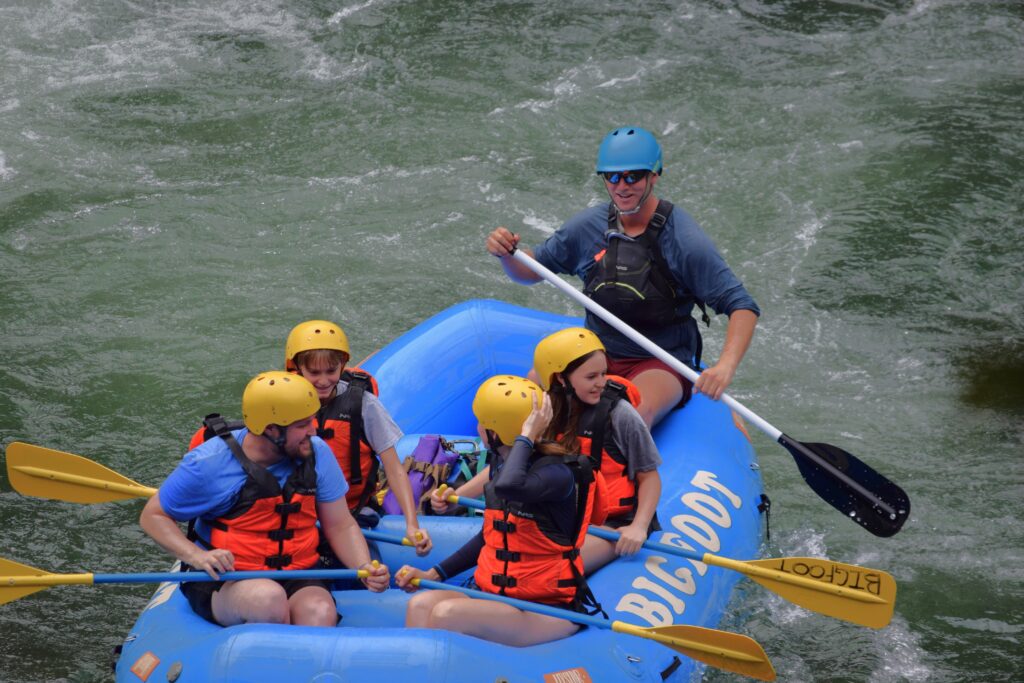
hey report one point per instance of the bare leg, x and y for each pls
(251, 601)
(661, 391)
(596, 552)
(499, 623)
(313, 606)
(421, 604)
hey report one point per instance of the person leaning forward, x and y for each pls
(236, 487)
(649, 263)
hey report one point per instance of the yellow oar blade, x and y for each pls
(18, 580)
(860, 595)
(12, 593)
(720, 649)
(47, 473)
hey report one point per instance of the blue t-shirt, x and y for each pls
(697, 267)
(208, 480)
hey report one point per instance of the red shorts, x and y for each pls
(631, 367)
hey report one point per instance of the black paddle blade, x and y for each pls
(851, 486)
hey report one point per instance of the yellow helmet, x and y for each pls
(556, 351)
(313, 334)
(277, 398)
(503, 403)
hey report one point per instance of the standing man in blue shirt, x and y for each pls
(649, 263)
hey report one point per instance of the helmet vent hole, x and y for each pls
(271, 382)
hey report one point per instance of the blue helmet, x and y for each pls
(629, 149)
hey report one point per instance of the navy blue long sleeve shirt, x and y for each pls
(697, 267)
(552, 484)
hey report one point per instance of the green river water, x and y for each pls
(182, 182)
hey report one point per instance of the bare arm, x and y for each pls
(168, 535)
(347, 542)
(648, 491)
(398, 480)
(715, 380)
(501, 243)
(473, 488)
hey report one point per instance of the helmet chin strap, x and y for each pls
(279, 440)
(639, 205)
(560, 385)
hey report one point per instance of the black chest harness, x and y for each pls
(632, 279)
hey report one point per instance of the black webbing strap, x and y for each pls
(585, 475)
(613, 393)
(649, 237)
(355, 430)
(765, 506)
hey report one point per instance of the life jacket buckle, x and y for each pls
(278, 561)
(508, 555)
(504, 527)
(281, 534)
(503, 581)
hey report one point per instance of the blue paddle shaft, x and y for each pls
(607, 535)
(614, 536)
(524, 605)
(182, 577)
(372, 535)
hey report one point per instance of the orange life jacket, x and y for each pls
(340, 424)
(525, 556)
(595, 437)
(269, 527)
(211, 424)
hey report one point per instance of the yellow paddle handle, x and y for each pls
(48, 580)
(451, 498)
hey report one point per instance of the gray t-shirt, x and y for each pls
(379, 428)
(634, 439)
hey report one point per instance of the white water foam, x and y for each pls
(545, 225)
(570, 83)
(806, 236)
(984, 625)
(899, 655)
(170, 40)
(345, 12)
(635, 76)
(578, 81)
(6, 172)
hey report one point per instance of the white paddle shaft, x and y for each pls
(655, 350)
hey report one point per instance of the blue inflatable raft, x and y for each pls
(427, 378)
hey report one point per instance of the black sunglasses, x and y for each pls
(631, 177)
